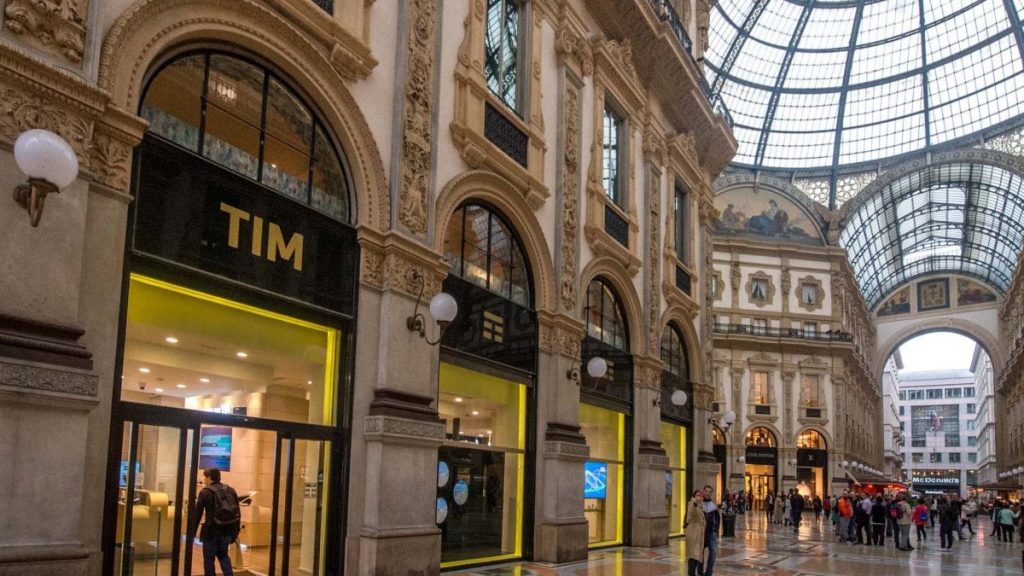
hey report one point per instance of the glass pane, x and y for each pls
(150, 537)
(501, 257)
(286, 169)
(287, 117)
(501, 50)
(603, 473)
(453, 242)
(673, 440)
(520, 279)
(236, 87)
(173, 103)
(191, 350)
(480, 466)
(231, 142)
(611, 155)
(309, 507)
(330, 189)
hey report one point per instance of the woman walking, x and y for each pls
(780, 508)
(921, 520)
(695, 524)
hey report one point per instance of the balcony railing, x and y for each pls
(326, 5)
(667, 13)
(748, 330)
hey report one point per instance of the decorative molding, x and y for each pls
(417, 145)
(392, 262)
(48, 378)
(569, 450)
(819, 294)
(55, 26)
(379, 427)
(569, 268)
(653, 260)
(571, 43)
(561, 335)
(769, 296)
(647, 372)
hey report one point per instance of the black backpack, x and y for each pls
(226, 512)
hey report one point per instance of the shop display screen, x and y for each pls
(215, 447)
(123, 476)
(595, 481)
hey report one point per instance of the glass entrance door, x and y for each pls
(280, 479)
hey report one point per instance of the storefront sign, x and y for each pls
(937, 480)
(196, 214)
(811, 457)
(761, 455)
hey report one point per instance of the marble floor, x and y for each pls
(776, 551)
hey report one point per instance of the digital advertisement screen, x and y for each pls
(124, 474)
(595, 481)
(215, 447)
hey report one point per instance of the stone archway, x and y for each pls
(986, 338)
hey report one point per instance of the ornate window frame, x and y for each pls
(769, 288)
(765, 364)
(615, 77)
(474, 101)
(819, 293)
(813, 366)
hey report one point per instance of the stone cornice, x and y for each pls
(391, 261)
(560, 334)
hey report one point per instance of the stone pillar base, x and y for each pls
(405, 554)
(650, 531)
(47, 561)
(562, 541)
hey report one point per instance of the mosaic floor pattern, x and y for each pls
(776, 551)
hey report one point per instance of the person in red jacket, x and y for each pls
(921, 520)
(845, 515)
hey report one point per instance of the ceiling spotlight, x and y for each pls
(458, 398)
(171, 340)
(476, 413)
(180, 386)
(158, 390)
(241, 354)
(144, 370)
(309, 382)
(490, 432)
(204, 380)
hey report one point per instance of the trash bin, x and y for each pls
(728, 525)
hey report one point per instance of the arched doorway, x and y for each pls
(760, 460)
(236, 342)
(676, 425)
(811, 463)
(487, 385)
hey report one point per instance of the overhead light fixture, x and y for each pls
(204, 380)
(171, 340)
(144, 370)
(50, 164)
(475, 412)
(242, 354)
(458, 399)
(443, 308)
(726, 421)
(309, 382)
(180, 386)
(158, 390)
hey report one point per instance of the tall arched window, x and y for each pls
(603, 315)
(244, 118)
(810, 439)
(481, 248)
(672, 352)
(761, 437)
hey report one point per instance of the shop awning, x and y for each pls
(1004, 486)
(868, 478)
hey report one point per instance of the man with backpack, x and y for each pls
(218, 503)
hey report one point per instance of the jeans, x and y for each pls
(711, 542)
(946, 535)
(844, 528)
(895, 529)
(217, 547)
(922, 534)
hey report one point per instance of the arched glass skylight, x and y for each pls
(844, 84)
(963, 218)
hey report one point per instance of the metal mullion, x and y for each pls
(1015, 25)
(462, 244)
(127, 552)
(490, 224)
(190, 530)
(179, 494)
(841, 110)
(289, 490)
(737, 43)
(312, 160)
(203, 98)
(263, 125)
(276, 505)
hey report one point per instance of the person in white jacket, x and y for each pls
(969, 509)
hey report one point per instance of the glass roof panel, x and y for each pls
(961, 218)
(966, 57)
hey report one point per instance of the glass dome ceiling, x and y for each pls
(844, 84)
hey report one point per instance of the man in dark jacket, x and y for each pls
(797, 507)
(712, 519)
(215, 533)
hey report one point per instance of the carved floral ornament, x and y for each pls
(57, 26)
(569, 267)
(571, 43)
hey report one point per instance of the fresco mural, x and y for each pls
(898, 303)
(968, 293)
(761, 215)
(933, 294)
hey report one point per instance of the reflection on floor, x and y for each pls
(255, 562)
(777, 551)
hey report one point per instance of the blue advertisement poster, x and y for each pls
(595, 480)
(215, 447)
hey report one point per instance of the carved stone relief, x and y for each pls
(653, 250)
(55, 26)
(416, 137)
(570, 198)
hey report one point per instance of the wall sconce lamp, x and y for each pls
(50, 164)
(742, 459)
(678, 398)
(727, 419)
(792, 461)
(443, 308)
(597, 367)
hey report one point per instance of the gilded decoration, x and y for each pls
(55, 26)
(570, 199)
(419, 96)
(149, 29)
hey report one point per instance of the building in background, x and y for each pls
(892, 431)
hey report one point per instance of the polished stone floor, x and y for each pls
(761, 550)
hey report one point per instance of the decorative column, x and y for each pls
(787, 445)
(706, 467)
(562, 534)
(734, 436)
(650, 518)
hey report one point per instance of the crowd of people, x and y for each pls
(856, 518)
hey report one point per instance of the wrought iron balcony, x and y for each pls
(769, 332)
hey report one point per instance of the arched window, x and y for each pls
(717, 436)
(672, 352)
(603, 315)
(244, 118)
(481, 248)
(761, 437)
(810, 439)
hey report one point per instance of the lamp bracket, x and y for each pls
(32, 195)
(417, 322)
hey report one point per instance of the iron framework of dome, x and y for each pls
(838, 86)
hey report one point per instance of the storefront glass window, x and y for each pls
(603, 473)
(480, 466)
(188, 349)
(482, 249)
(673, 440)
